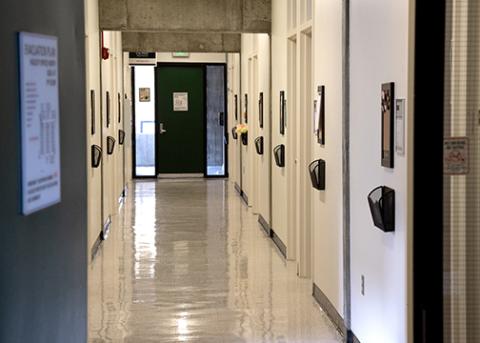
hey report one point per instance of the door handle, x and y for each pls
(162, 130)
(221, 118)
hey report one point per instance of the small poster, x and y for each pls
(400, 127)
(180, 102)
(144, 94)
(455, 155)
(40, 127)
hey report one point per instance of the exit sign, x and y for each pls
(180, 54)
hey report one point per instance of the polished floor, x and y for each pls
(186, 261)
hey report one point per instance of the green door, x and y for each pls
(180, 114)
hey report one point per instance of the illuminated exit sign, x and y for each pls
(180, 54)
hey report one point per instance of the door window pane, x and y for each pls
(144, 79)
(216, 120)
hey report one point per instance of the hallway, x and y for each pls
(186, 261)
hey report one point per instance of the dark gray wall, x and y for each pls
(43, 294)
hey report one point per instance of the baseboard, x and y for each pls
(180, 175)
(244, 197)
(330, 310)
(238, 189)
(278, 242)
(265, 226)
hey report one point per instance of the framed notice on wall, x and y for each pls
(144, 94)
(40, 127)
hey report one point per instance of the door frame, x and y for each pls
(427, 321)
(226, 136)
(304, 148)
(203, 66)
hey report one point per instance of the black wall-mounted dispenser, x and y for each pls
(234, 133)
(244, 137)
(110, 145)
(121, 137)
(317, 170)
(382, 208)
(279, 154)
(259, 145)
(96, 156)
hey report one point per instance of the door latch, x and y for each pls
(162, 130)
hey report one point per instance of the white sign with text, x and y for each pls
(180, 102)
(39, 104)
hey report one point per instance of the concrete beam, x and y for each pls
(222, 16)
(190, 42)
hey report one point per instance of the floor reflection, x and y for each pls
(187, 262)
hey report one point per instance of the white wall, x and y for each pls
(112, 82)
(114, 172)
(256, 79)
(279, 83)
(379, 54)
(94, 175)
(109, 74)
(233, 84)
(327, 205)
(128, 123)
(263, 161)
(247, 150)
(195, 57)
(119, 117)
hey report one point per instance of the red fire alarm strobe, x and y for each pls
(105, 51)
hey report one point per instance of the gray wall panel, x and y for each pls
(43, 256)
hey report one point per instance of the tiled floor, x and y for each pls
(186, 261)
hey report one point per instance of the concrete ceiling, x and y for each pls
(185, 25)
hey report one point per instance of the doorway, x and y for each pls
(292, 163)
(180, 106)
(180, 120)
(304, 145)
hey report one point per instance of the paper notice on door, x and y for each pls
(180, 102)
(455, 155)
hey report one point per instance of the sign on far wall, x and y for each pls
(142, 58)
(144, 94)
(40, 128)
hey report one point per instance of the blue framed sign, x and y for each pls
(40, 127)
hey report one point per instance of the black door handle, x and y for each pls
(110, 145)
(96, 156)
(221, 119)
